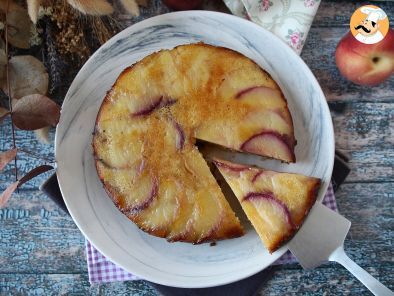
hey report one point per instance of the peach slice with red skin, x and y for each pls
(152, 194)
(162, 211)
(270, 217)
(154, 104)
(255, 197)
(119, 143)
(124, 183)
(262, 96)
(232, 167)
(270, 144)
(180, 138)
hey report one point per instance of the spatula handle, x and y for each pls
(376, 287)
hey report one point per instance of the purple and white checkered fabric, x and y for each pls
(101, 270)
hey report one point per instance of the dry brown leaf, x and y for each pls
(27, 76)
(5, 196)
(6, 157)
(42, 135)
(142, 2)
(34, 112)
(19, 24)
(92, 7)
(131, 6)
(34, 173)
(32, 9)
(3, 113)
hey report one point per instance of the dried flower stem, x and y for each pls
(9, 88)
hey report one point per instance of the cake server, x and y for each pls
(321, 238)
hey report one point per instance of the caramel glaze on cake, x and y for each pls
(144, 140)
(275, 203)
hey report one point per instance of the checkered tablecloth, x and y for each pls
(101, 270)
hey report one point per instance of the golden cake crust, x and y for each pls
(146, 129)
(262, 192)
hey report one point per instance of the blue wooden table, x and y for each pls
(42, 251)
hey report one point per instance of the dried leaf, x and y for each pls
(6, 157)
(34, 112)
(42, 135)
(5, 196)
(27, 76)
(131, 6)
(92, 7)
(143, 3)
(3, 113)
(32, 8)
(19, 24)
(34, 173)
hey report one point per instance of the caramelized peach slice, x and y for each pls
(292, 190)
(137, 190)
(180, 136)
(270, 217)
(243, 79)
(232, 167)
(262, 96)
(270, 144)
(182, 224)
(162, 212)
(150, 105)
(207, 215)
(119, 143)
(219, 132)
(267, 120)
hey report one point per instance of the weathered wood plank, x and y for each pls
(137, 288)
(67, 284)
(329, 279)
(362, 126)
(338, 13)
(46, 284)
(319, 55)
(370, 207)
(37, 237)
(365, 132)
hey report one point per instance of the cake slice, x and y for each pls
(275, 203)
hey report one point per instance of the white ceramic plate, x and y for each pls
(180, 264)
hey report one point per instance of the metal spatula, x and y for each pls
(321, 238)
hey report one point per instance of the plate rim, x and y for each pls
(168, 17)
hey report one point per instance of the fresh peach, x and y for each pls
(366, 64)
